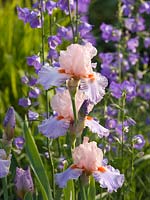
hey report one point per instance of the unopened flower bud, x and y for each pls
(23, 182)
(9, 124)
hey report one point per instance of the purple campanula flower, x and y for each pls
(84, 28)
(9, 124)
(23, 182)
(19, 142)
(130, 89)
(54, 41)
(65, 33)
(145, 7)
(4, 163)
(24, 80)
(127, 10)
(145, 59)
(35, 19)
(111, 123)
(23, 14)
(117, 90)
(133, 58)
(109, 33)
(52, 54)
(128, 1)
(138, 141)
(147, 42)
(32, 115)
(24, 102)
(34, 61)
(32, 81)
(63, 5)
(34, 92)
(144, 91)
(135, 25)
(111, 111)
(88, 160)
(106, 58)
(50, 6)
(132, 44)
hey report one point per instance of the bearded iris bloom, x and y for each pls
(87, 160)
(58, 124)
(75, 63)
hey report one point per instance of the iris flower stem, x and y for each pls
(82, 190)
(74, 109)
(72, 27)
(5, 191)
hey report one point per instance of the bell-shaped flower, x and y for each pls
(76, 63)
(57, 125)
(4, 163)
(87, 160)
(23, 182)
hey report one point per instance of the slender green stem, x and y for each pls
(74, 109)
(82, 190)
(71, 21)
(122, 135)
(42, 34)
(52, 167)
(77, 15)
(5, 191)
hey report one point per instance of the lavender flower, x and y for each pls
(24, 102)
(50, 6)
(34, 92)
(138, 141)
(34, 61)
(145, 7)
(132, 44)
(53, 41)
(32, 115)
(9, 124)
(126, 86)
(19, 142)
(4, 163)
(109, 33)
(23, 182)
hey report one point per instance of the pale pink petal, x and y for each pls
(54, 127)
(95, 127)
(50, 76)
(61, 103)
(110, 179)
(62, 178)
(76, 60)
(94, 87)
(87, 155)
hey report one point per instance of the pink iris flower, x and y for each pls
(76, 63)
(58, 124)
(88, 160)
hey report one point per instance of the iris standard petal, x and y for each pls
(62, 178)
(54, 127)
(109, 178)
(50, 76)
(95, 127)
